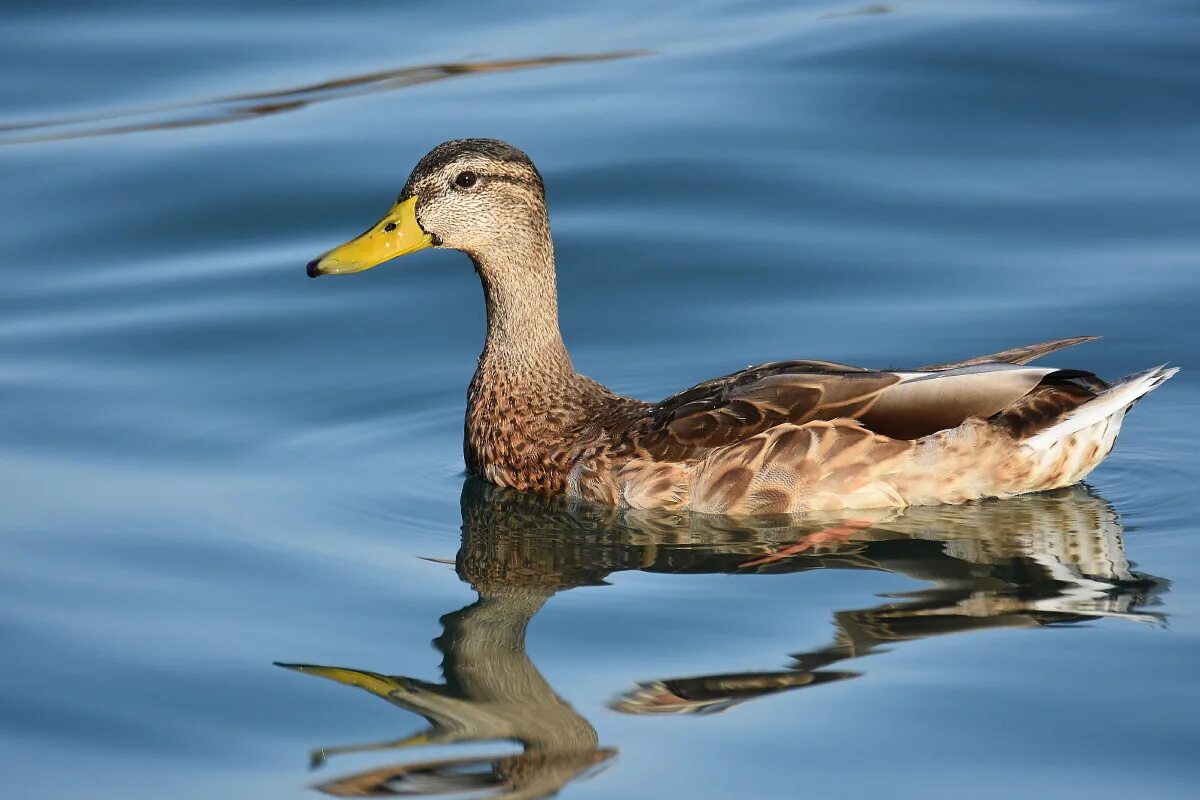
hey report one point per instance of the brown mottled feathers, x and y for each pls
(730, 408)
(791, 468)
(737, 406)
(1057, 394)
(794, 436)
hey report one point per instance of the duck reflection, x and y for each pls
(1041, 560)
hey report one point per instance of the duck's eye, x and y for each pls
(466, 179)
(391, 226)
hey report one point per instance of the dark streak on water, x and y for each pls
(211, 463)
(249, 105)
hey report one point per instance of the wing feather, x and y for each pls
(738, 406)
(899, 405)
(1017, 355)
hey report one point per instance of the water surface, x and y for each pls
(212, 464)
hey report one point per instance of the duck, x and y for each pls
(785, 437)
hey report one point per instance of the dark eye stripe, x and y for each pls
(511, 179)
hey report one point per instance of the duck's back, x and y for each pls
(793, 437)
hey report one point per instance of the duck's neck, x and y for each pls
(525, 398)
(521, 293)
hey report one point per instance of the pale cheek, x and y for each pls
(469, 230)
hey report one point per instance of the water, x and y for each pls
(212, 463)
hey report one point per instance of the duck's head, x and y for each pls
(474, 195)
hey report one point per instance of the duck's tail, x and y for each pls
(1118, 397)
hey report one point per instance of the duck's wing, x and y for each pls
(896, 404)
(734, 407)
(927, 402)
(1017, 355)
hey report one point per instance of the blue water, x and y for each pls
(209, 463)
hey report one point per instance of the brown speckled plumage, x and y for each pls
(785, 437)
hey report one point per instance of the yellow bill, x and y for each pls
(397, 234)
